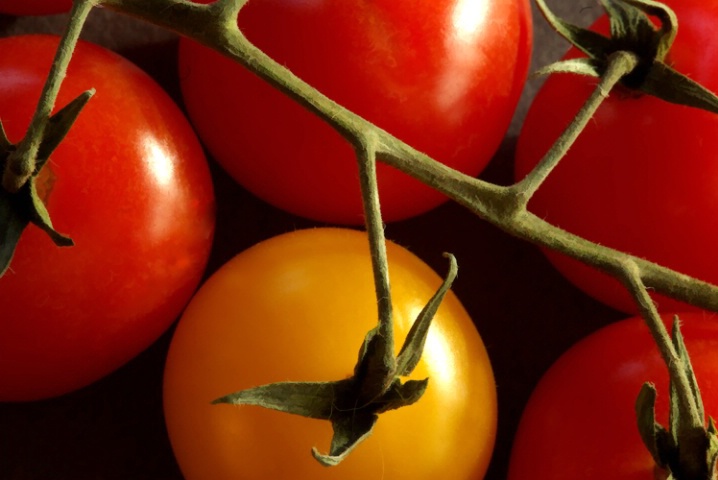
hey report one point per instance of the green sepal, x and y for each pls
(413, 346)
(59, 125)
(690, 440)
(373, 364)
(333, 401)
(12, 225)
(626, 21)
(309, 399)
(711, 426)
(676, 423)
(352, 405)
(375, 367)
(669, 24)
(632, 30)
(41, 218)
(400, 394)
(577, 66)
(687, 449)
(671, 86)
(590, 43)
(655, 437)
(354, 426)
(680, 346)
(712, 433)
(17, 211)
(348, 433)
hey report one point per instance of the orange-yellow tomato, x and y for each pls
(297, 307)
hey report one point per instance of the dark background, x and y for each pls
(526, 312)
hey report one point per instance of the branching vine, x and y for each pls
(504, 207)
(215, 25)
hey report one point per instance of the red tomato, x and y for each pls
(34, 7)
(443, 76)
(580, 420)
(642, 176)
(132, 188)
(297, 307)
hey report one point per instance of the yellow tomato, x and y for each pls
(297, 307)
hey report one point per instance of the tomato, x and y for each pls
(34, 7)
(131, 186)
(297, 307)
(580, 420)
(641, 177)
(443, 76)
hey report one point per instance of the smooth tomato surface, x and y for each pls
(642, 176)
(297, 307)
(580, 420)
(131, 186)
(443, 76)
(34, 7)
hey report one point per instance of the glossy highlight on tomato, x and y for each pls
(34, 7)
(131, 186)
(443, 76)
(297, 307)
(580, 421)
(642, 176)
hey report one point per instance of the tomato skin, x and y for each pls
(131, 186)
(431, 73)
(641, 177)
(580, 420)
(296, 307)
(34, 7)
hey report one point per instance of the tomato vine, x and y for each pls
(504, 206)
(215, 25)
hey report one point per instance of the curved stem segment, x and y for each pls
(21, 163)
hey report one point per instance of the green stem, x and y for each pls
(493, 203)
(620, 64)
(229, 11)
(659, 278)
(676, 367)
(366, 159)
(22, 162)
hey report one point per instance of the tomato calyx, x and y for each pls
(23, 207)
(633, 31)
(353, 405)
(687, 449)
